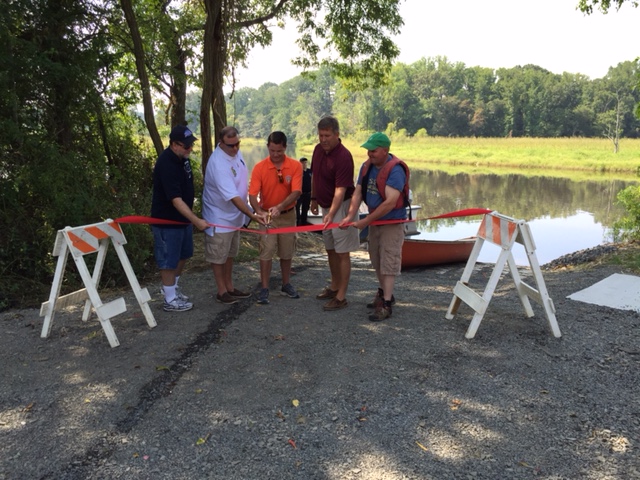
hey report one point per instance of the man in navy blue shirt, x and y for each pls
(173, 195)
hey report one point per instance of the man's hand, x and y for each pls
(201, 224)
(327, 220)
(314, 207)
(261, 218)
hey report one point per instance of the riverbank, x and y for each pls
(289, 391)
(578, 158)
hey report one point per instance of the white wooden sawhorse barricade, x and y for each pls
(81, 241)
(504, 232)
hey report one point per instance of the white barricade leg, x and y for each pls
(48, 309)
(104, 312)
(488, 294)
(142, 294)
(464, 280)
(97, 274)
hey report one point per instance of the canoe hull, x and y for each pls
(423, 253)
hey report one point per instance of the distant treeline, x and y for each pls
(436, 97)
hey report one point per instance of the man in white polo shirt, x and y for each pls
(224, 202)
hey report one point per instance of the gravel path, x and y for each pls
(287, 391)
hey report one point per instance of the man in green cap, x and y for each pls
(383, 185)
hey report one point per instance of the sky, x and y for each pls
(487, 33)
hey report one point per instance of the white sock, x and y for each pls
(169, 293)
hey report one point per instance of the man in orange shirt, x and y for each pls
(278, 181)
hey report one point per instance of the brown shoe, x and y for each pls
(335, 304)
(327, 294)
(226, 299)
(378, 300)
(239, 293)
(381, 313)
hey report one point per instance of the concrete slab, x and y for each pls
(616, 291)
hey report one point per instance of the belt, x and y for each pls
(286, 211)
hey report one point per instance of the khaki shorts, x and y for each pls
(342, 241)
(283, 243)
(385, 248)
(221, 246)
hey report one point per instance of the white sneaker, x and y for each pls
(177, 305)
(179, 294)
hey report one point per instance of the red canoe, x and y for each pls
(422, 253)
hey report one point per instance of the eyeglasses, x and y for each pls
(233, 145)
(280, 177)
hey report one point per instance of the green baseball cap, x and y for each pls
(376, 140)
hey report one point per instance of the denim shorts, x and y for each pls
(172, 245)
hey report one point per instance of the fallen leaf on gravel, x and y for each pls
(198, 390)
(455, 404)
(295, 402)
(279, 355)
(422, 446)
(136, 455)
(279, 414)
(87, 400)
(203, 440)
(279, 337)
(161, 367)
(292, 443)
(545, 392)
(28, 407)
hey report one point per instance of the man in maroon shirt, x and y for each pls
(331, 189)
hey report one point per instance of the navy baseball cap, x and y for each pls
(181, 133)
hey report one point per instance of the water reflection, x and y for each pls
(564, 215)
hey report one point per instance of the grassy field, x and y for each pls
(580, 156)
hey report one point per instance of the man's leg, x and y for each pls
(218, 275)
(285, 268)
(343, 274)
(265, 272)
(334, 269)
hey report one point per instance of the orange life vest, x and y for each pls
(381, 180)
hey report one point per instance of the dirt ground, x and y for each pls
(288, 391)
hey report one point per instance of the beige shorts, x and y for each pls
(342, 241)
(283, 243)
(221, 246)
(385, 248)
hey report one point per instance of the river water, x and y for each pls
(564, 215)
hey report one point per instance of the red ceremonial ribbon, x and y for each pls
(305, 228)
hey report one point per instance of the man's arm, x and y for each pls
(338, 197)
(385, 207)
(244, 208)
(186, 212)
(354, 206)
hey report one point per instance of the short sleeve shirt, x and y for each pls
(265, 182)
(371, 195)
(330, 171)
(172, 178)
(226, 177)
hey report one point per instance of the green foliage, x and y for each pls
(628, 227)
(449, 100)
(67, 157)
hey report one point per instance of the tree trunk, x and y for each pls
(213, 68)
(138, 51)
(179, 87)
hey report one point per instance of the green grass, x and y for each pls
(574, 157)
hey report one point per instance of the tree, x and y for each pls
(356, 36)
(587, 6)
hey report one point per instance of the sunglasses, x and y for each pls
(233, 145)
(280, 177)
(184, 146)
